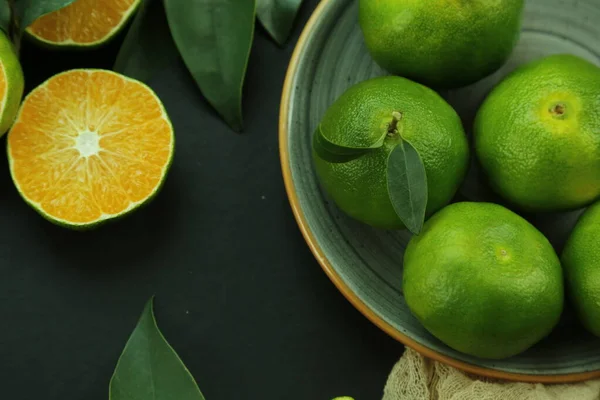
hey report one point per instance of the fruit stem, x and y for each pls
(393, 126)
(558, 110)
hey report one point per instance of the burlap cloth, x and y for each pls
(416, 378)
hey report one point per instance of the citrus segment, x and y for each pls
(83, 22)
(89, 145)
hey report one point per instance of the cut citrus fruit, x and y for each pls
(11, 83)
(88, 146)
(83, 23)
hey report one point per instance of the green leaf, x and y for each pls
(329, 152)
(338, 153)
(149, 368)
(148, 46)
(214, 37)
(5, 16)
(407, 185)
(277, 16)
(29, 10)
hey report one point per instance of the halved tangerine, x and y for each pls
(83, 23)
(11, 83)
(88, 146)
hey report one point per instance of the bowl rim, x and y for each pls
(335, 277)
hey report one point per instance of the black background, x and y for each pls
(238, 294)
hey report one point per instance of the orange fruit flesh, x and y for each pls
(3, 87)
(83, 21)
(89, 145)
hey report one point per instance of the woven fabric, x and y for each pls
(417, 378)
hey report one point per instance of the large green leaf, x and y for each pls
(214, 38)
(277, 16)
(148, 46)
(149, 368)
(29, 10)
(407, 185)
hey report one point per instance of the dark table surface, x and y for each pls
(238, 293)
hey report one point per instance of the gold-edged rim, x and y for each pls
(333, 275)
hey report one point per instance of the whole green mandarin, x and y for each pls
(360, 116)
(537, 135)
(441, 43)
(581, 263)
(12, 83)
(483, 280)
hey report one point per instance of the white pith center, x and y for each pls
(88, 143)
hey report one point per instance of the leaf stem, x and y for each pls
(393, 126)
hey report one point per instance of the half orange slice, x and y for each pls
(83, 23)
(88, 146)
(11, 83)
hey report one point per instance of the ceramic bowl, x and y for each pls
(365, 263)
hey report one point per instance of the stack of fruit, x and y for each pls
(392, 153)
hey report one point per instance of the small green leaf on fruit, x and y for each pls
(148, 46)
(214, 38)
(277, 16)
(343, 149)
(407, 185)
(329, 152)
(149, 368)
(28, 11)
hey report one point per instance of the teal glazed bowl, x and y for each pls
(365, 263)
